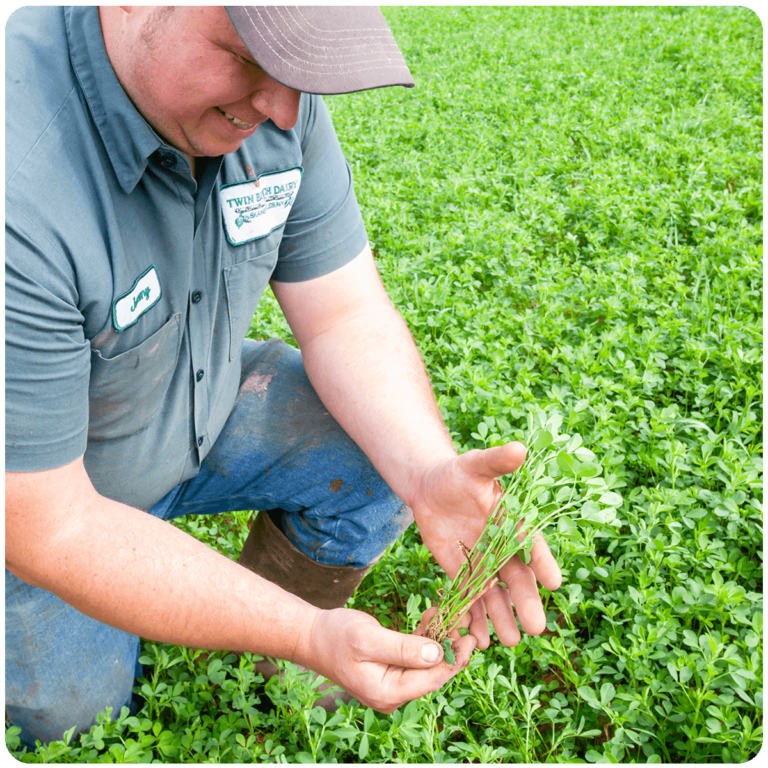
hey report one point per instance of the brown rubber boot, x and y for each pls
(268, 553)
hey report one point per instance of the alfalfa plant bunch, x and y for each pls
(560, 482)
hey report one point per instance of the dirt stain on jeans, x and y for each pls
(335, 486)
(257, 382)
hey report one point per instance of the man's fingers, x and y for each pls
(464, 621)
(479, 624)
(524, 593)
(542, 562)
(494, 462)
(499, 607)
(413, 683)
(544, 565)
(425, 619)
(407, 684)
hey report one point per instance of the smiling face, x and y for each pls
(191, 77)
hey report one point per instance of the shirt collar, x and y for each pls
(127, 136)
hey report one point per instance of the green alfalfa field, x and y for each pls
(567, 211)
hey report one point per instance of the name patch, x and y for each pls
(254, 208)
(129, 307)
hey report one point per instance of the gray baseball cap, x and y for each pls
(322, 49)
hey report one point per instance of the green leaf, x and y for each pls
(607, 694)
(690, 638)
(713, 726)
(319, 715)
(565, 462)
(553, 421)
(529, 520)
(587, 469)
(566, 526)
(589, 696)
(412, 607)
(611, 499)
(362, 751)
(346, 732)
(339, 717)
(463, 631)
(573, 443)
(543, 439)
(745, 673)
(591, 511)
(509, 526)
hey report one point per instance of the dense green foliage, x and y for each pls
(567, 210)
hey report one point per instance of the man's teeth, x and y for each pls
(236, 122)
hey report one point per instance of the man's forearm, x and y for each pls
(370, 376)
(128, 569)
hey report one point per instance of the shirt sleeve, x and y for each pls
(325, 229)
(47, 358)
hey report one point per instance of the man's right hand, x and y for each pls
(382, 669)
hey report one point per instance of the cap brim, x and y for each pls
(322, 49)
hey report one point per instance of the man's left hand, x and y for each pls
(452, 505)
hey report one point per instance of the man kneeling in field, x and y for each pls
(164, 165)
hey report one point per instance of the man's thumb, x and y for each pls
(407, 651)
(495, 462)
(431, 652)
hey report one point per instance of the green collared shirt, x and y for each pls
(129, 285)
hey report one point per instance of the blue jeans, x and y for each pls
(280, 449)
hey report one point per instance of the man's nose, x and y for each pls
(278, 102)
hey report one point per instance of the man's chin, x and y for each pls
(214, 137)
(215, 146)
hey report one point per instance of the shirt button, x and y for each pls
(167, 160)
(196, 296)
(200, 374)
(199, 441)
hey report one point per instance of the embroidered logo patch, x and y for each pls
(254, 208)
(129, 307)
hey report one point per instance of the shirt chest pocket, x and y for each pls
(127, 391)
(245, 282)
